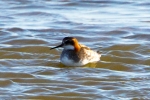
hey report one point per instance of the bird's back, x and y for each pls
(87, 55)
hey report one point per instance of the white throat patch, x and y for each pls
(68, 47)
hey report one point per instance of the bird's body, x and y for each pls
(75, 54)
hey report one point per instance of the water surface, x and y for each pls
(119, 29)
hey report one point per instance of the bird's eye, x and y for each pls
(68, 42)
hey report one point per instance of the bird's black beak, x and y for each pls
(56, 46)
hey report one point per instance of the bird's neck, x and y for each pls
(77, 47)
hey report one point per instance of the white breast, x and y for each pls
(66, 61)
(69, 62)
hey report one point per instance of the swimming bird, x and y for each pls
(75, 54)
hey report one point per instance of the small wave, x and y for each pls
(139, 36)
(24, 42)
(6, 83)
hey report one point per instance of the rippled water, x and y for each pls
(119, 29)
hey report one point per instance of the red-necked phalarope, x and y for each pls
(75, 54)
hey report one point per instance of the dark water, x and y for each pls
(119, 29)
